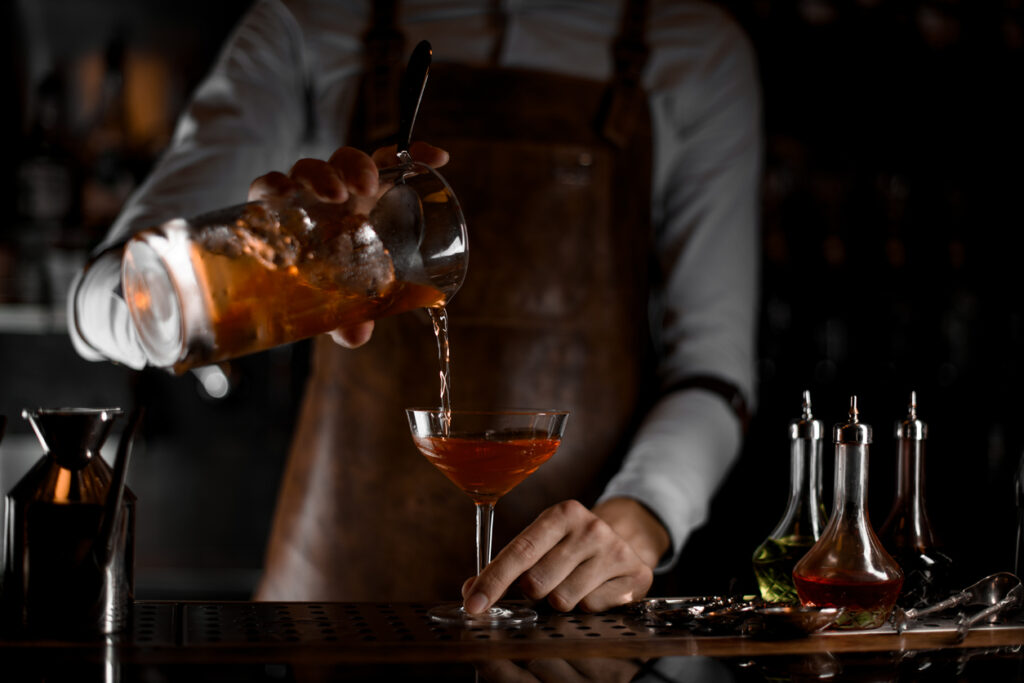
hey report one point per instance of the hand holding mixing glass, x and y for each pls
(292, 265)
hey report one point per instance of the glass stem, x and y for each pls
(484, 529)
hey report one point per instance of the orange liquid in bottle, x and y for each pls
(867, 603)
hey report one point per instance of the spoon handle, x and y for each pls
(104, 548)
(413, 83)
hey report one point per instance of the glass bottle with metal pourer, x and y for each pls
(804, 518)
(848, 567)
(907, 533)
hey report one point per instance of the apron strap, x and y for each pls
(384, 46)
(619, 109)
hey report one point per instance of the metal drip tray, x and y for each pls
(356, 626)
(331, 633)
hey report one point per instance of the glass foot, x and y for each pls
(497, 616)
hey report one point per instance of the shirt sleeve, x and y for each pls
(708, 156)
(246, 118)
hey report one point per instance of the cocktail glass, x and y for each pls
(486, 454)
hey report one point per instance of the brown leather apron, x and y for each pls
(553, 314)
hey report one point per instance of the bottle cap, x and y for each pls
(910, 427)
(806, 427)
(853, 431)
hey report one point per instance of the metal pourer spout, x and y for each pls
(853, 431)
(911, 428)
(806, 427)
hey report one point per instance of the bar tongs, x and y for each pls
(999, 594)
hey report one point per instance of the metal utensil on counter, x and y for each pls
(69, 565)
(788, 621)
(999, 592)
(735, 615)
(1009, 603)
(104, 549)
(677, 608)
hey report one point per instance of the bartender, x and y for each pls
(607, 156)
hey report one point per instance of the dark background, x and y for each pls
(892, 206)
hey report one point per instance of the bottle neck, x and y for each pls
(851, 481)
(910, 502)
(805, 515)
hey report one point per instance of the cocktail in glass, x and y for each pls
(486, 454)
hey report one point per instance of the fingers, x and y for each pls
(503, 671)
(423, 152)
(321, 178)
(568, 556)
(593, 669)
(593, 568)
(348, 171)
(523, 552)
(273, 184)
(353, 336)
(355, 169)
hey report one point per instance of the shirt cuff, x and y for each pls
(679, 458)
(98, 320)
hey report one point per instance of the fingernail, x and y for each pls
(476, 603)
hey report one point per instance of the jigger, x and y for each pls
(70, 555)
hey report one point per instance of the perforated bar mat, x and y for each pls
(367, 632)
(366, 626)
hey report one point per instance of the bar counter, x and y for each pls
(213, 641)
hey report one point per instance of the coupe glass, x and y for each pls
(486, 454)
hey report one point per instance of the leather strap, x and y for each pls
(621, 105)
(384, 45)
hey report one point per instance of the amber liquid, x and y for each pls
(439, 316)
(487, 466)
(253, 307)
(868, 603)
